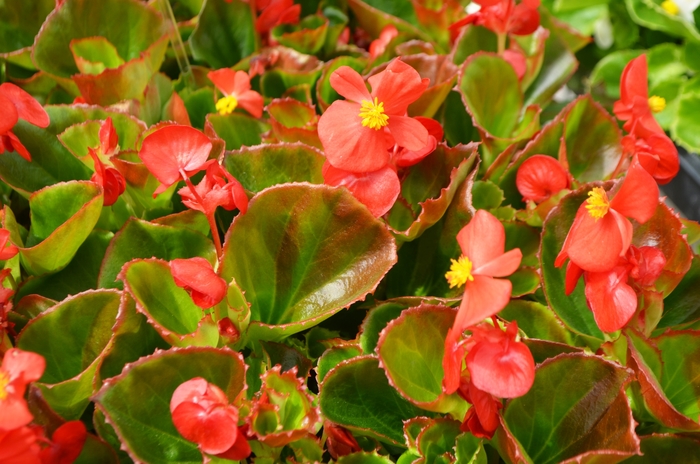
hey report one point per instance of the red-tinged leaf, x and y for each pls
(411, 349)
(357, 395)
(545, 349)
(431, 185)
(81, 331)
(137, 28)
(297, 225)
(151, 381)
(437, 440)
(294, 121)
(576, 409)
(374, 16)
(665, 231)
(291, 71)
(308, 36)
(236, 130)
(287, 357)
(334, 356)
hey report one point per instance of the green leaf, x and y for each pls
(147, 431)
(671, 449)
(357, 395)
(650, 14)
(142, 239)
(411, 349)
(299, 267)
(469, 450)
(377, 318)
(236, 130)
(608, 71)
(137, 28)
(95, 54)
(437, 440)
(258, 168)
(287, 357)
(63, 216)
(375, 15)
(683, 304)
(442, 74)
(363, 457)
(573, 309)
(168, 307)
(325, 94)
(96, 450)
(80, 328)
(299, 70)
(334, 356)
(593, 140)
(537, 321)
(21, 21)
(225, 33)
(685, 130)
(308, 36)
(577, 405)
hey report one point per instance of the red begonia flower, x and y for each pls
(197, 277)
(482, 418)
(357, 134)
(378, 46)
(376, 190)
(174, 153)
(235, 85)
(17, 104)
(540, 177)
(611, 299)
(112, 181)
(108, 138)
(656, 153)
(18, 369)
(635, 106)
(601, 232)
(7, 250)
(646, 264)
(401, 157)
(217, 188)
(339, 441)
(201, 413)
(504, 16)
(275, 13)
(19, 446)
(498, 364)
(66, 444)
(482, 242)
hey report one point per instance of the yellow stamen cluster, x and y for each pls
(670, 7)
(4, 382)
(372, 114)
(597, 203)
(226, 105)
(460, 272)
(656, 103)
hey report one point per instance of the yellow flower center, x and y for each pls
(597, 203)
(670, 7)
(372, 114)
(657, 103)
(4, 382)
(226, 105)
(460, 272)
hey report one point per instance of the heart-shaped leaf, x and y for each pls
(299, 267)
(147, 431)
(334, 356)
(80, 328)
(237, 130)
(683, 304)
(357, 395)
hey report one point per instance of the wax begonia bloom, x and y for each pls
(401, 157)
(482, 242)
(197, 277)
(339, 441)
(173, 153)
(376, 190)
(217, 188)
(656, 153)
(19, 446)
(482, 418)
(601, 232)
(356, 134)
(17, 104)
(18, 369)
(498, 364)
(378, 46)
(201, 413)
(66, 445)
(112, 181)
(7, 249)
(235, 85)
(108, 138)
(540, 177)
(635, 106)
(276, 12)
(505, 16)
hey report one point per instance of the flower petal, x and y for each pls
(594, 245)
(252, 102)
(198, 278)
(349, 84)
(214, 430)
(539, 177)
(505, 370)
(483, 297)
(612, 301)
(376, 190)
(347, 144)
(224, 79)
(8, 115)
(23, 365)
(27, 108)
(501, 266)
(638, 196)
(483, 239)
(409, 133)
(452, 361)
(398, 86)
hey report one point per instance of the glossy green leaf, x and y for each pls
(20, 22)
(573, 309)
(63, 216)
(308, 36)
(334, 356)
(411, 349)
(377, 318)
(442, 74)
(137, 28)
(667, 448)
(287, 357)
(357, 395)
(236, 130)
(147, 431)
(576, 406)
(96, 450)
(363, 457)
(537, 321)
(80, 328)
(95, 54)
(436, 442)
(299, 268)
(225, 33)
(258, 168)
(650, 14)
(277, 82)
(683, 304)
(469, 450)
(142, 239)
(684, 129)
